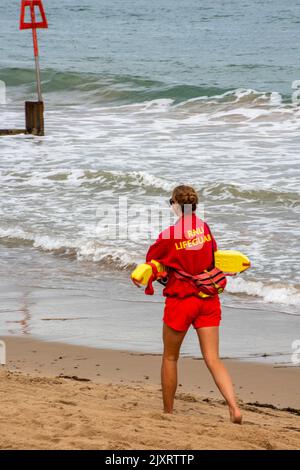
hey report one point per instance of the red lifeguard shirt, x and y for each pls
(188, 246)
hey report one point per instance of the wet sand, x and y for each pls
(58, 396)
(117, 315)
(265, 383)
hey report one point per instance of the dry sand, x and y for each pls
(113, 401)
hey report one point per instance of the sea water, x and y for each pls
(141, 96)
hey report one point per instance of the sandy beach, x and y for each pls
(75, 381)
(138, 99)
(72, 397)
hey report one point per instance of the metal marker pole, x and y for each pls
(38, 75)
(36, 56)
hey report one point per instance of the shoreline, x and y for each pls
(107, 395)
(254, 382)
(58, 396)
(117, 316)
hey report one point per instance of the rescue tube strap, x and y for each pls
(212, 281)
(154, 276)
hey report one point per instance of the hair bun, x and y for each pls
(185, 195)
(192, 198)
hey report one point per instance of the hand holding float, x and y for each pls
(231, 262)
(144, 274)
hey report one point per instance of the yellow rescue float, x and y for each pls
(231, 262)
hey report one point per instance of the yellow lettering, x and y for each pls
(194, 242)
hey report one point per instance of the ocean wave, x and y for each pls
(148, 183)
(105, 88)
(105, 179)
(82, 249)
(79, 87)
(120, 258)
(243, 192)
(269, 293)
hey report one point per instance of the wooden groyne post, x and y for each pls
(34, 117)
(34, 110)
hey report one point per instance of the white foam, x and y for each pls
(145, 178)
(159, 105)
(78, 177)
(52, 186)
(117, 256)
(83, 248)
(121, 257)
(15, 232)
(52, 243)
(286, 295)
(275, 98)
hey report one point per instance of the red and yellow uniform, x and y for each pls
(186, 246)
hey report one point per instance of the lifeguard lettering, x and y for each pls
(194, 242)
(196, 231)
(184, 249)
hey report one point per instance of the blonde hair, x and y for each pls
(186, 197)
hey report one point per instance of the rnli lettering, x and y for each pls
(197, 231)
(194, 242)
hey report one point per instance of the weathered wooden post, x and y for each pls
(34, 111)
(34, 117)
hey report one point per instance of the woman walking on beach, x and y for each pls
(187, 247)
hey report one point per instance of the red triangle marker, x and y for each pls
(32, 4)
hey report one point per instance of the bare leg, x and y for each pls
(172, 341)
(209, 343)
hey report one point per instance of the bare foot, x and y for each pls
(235, 416)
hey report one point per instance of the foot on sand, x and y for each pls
(235, 416)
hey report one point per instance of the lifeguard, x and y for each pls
(191, 253)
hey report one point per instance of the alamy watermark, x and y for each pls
(125, 220)
(296, 93)
(2, 92)
(295, 358)
(2, 353)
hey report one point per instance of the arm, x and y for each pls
(158, 250)
(215, 246)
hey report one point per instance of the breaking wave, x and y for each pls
(78, 87)
(277, 294)
(121, 258)
(148, 183)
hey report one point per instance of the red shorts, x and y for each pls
(180, 314)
